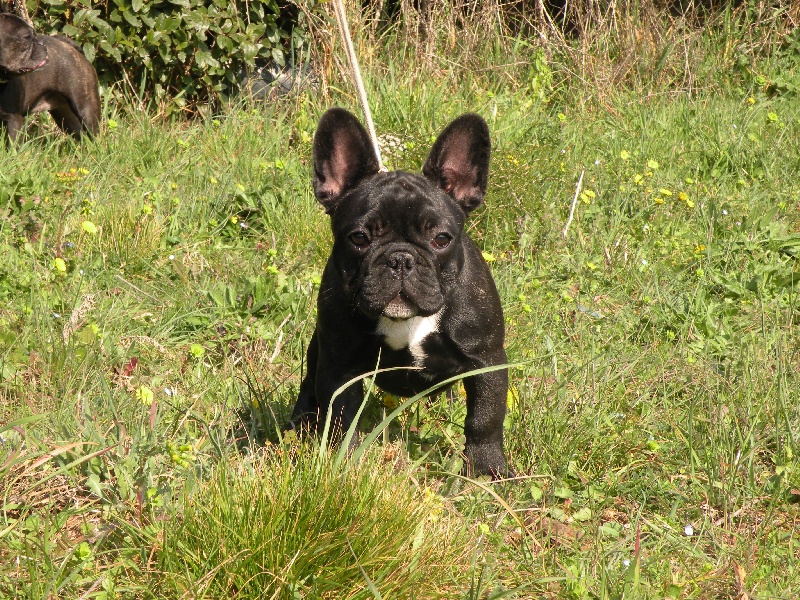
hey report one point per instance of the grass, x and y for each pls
(312, 530)
(146, 361)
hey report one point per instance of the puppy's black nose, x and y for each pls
(401, 263)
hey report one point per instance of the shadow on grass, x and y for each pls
(430, 435)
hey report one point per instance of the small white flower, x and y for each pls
(724, 212)
(734, 126)
(626, 563)
(688, 530)
(56, 316)
(169, 391)
(171, 257)
(597, 161)
(644, 262)
(80, 271)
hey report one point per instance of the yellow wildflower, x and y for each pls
(144, 395)
(89, 227)
(60, 265)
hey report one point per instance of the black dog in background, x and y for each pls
(38, 73)
(405, 283)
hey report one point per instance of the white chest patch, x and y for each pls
(410, 333)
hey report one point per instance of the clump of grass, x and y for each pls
(291, 524)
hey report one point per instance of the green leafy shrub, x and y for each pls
(183, 51)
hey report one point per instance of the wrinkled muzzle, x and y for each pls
(399, 282)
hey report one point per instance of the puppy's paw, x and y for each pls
(486, 459)
(302, 425)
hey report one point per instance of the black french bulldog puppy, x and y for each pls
(40, 72)
(406, 283)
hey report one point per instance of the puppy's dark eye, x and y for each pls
(442, 241)
(359, 239)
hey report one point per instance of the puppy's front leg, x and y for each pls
(343, 408)
(483, 427)
(316, 396)
(306, 409)
(14, 124)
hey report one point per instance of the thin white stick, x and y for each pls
(344, 30)
(574, 202)
(279, 343)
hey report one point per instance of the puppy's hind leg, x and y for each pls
(67, 120)
(77, 120)
(89, 112)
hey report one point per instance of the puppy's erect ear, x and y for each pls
(343, 156)
(459, 160)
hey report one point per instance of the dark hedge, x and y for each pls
(178, 52)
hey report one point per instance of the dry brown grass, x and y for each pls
(651, 46)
